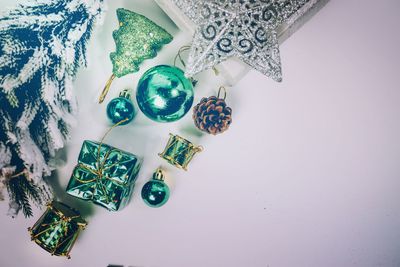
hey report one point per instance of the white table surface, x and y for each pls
(308, 174)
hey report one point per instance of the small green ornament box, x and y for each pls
(104, 175)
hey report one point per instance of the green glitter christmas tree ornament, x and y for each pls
(137, 39)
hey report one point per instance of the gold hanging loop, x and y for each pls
(106, 89)
(108, 132)
(179, 55)
(222, 90)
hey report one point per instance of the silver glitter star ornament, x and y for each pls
(237, 28)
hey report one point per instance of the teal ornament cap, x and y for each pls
(121, 108)
(164, 94)
(155, 193)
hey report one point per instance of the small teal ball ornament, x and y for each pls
(155, 192)
(121, 108)
(164, 94)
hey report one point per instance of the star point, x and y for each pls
(243, 29)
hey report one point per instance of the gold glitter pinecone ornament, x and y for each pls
(212, 115)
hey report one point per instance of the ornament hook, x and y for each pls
(222, 90)
(106, 89)
(179, 55)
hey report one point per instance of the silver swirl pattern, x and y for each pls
(242, 28)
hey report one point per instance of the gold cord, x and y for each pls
(98, 173)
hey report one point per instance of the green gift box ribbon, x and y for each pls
(104, 175)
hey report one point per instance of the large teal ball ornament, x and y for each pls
(121, 108)
(164, 94)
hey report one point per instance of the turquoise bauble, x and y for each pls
(164, 94)
(155, 193)
(121, 108)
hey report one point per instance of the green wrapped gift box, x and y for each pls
(104, 175)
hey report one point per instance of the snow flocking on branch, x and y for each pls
(42, 45)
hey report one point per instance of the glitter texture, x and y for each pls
(137, 39)
(244, 29)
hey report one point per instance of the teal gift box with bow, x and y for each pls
(104, 175)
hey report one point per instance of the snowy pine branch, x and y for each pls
(43, 44)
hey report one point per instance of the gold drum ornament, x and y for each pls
(58, 228)
(179, 151)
